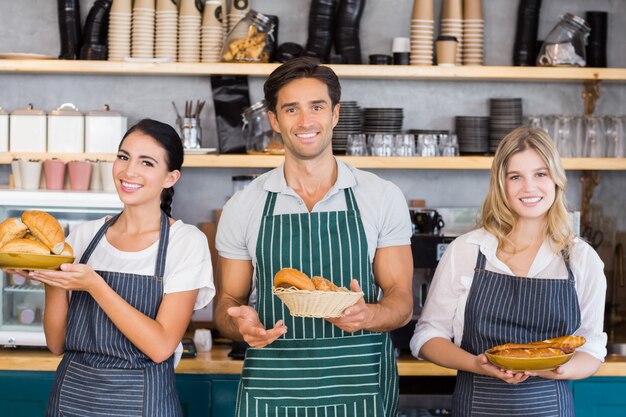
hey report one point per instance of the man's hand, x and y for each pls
(252, 329)
(355, 317)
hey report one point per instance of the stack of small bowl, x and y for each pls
(120, 18)
(452, 24)
(212, 34)
(189, 23)
(422, 30)
(236, 12)
(166, 30)
(143, 29)
(473, 32)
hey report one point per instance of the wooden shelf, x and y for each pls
(366, 162)
(476, 73)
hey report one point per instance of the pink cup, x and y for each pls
(80, 175)
(54, 172)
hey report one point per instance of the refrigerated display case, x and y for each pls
(22, 299)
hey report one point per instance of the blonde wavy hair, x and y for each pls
(498, 218)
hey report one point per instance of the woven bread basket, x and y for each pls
(319, 304)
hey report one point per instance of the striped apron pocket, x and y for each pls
(88, 391)
(337, 377)
(535, 397)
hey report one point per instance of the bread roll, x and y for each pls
(566, 344)
(27, 246)
(67, 250)
(11, 228)
(289, 277)
(322, 284)
(45, 228)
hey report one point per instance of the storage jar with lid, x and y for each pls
(66, 129)
(251, 40)
(4, 130)
(27, 129)
(258, 133)
(104, 130)
(566, 43)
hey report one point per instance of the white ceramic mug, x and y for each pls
(106, 176)
(15, 170)
(203, 340)
(30, 173)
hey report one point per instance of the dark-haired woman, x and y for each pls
(119, 313)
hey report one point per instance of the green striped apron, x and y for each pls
(316, 369)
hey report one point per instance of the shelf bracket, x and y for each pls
(590, 180)
(591, 94)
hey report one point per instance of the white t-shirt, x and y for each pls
(383, 208)
(187, 266)
(444, 312)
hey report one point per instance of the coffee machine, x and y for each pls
(428, 244)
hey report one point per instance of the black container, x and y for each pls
(380, 59)
(69, 28)
(524, 47)
(596, 43)
(401, 58)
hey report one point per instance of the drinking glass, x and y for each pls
(404, 145)
(427, 145)
(356, 144)
(382, 145)
(595, 146)
(615, 137)
(563, 136)
(449, 145)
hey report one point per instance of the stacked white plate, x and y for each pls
(454, 27)
(143, 32)
(422, 31)
(212, 33)
(473, 41)
(189, 23)
(166, 33)
(119, 35)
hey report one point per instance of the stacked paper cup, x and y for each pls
(237, 11)
(143, 29)
(189, 22)
(473, 32)
(120, 18)
(212, 34)
(422, 29)
(452, 24)
(166, 30)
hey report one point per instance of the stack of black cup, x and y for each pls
(347, 43)
(321, 18)
(524, 49)
(596, 44)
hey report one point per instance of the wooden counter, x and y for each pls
(218, 362)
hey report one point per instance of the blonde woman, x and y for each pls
(521, 276)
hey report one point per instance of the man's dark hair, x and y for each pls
(301, 67)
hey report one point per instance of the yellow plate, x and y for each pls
(528, 364)
(30, 261)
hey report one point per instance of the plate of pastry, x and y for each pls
(542, 355)
(312, 297)
(34, 241)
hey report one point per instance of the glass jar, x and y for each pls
(251, 40)
(566, 43)
(258, 133)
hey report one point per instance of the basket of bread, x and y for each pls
(312, 297)
(34, 241)
(535, 356)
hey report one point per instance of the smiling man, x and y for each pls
(323, 217)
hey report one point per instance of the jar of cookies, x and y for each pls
(251, 40)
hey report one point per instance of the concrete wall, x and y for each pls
(31, 26)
